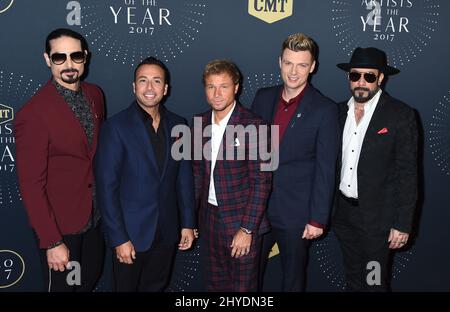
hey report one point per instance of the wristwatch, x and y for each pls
(246, 231)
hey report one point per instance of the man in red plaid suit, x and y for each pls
(231, 183)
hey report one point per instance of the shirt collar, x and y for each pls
(65, 91)
(294, 100)
(225, 120)
(146, 116)
(368, 106)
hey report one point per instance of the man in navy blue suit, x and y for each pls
(146, 197)
(303, 184)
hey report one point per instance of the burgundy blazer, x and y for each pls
(54, 162)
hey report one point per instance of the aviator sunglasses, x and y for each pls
(76, 57)
(369, 77)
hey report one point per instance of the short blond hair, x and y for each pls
(300, 42)
(217, 67)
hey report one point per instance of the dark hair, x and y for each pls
(154, 61)
(64, 32)
(218, 67)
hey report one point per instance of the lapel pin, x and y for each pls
(299, 115)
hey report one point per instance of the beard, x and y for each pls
(360, 98)
(72, 78)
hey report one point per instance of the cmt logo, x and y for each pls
(270, 11)
(6, 114)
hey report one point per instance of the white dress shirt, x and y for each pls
(352, 140)
(217, 132)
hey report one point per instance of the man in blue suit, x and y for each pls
(303, 184)
(146, 197)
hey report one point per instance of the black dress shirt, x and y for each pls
(158, 137)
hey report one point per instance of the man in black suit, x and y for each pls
(304, 183)
(377, 185)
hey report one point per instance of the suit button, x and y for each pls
(89, 185)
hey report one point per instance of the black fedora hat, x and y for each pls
(369, 58)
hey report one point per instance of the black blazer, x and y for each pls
(387, 167)
(303, 184)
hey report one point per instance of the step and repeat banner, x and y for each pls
(186, 34)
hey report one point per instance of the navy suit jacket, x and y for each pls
(303, 184)
(133, 197)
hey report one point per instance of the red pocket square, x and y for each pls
(383, 131)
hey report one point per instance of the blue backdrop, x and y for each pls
(186, 34)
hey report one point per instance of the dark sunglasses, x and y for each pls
(369, 77)
(76, 57)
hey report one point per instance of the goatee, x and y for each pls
(70, 79)
(359, 96)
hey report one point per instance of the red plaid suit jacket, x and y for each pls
(242, 189)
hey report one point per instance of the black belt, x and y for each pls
(350, 200)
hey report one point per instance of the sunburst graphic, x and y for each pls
(439, 134)
(326, 251)
(9, 194)
(16, 89)
(186, 270)
(328, 255)
(403, 32)
(401, 261)
(256, 81)
(164, 29)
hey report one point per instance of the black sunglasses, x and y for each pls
(369, 77)
(76, 57)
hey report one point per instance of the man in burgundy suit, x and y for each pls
(230, 188)
(56, 137)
